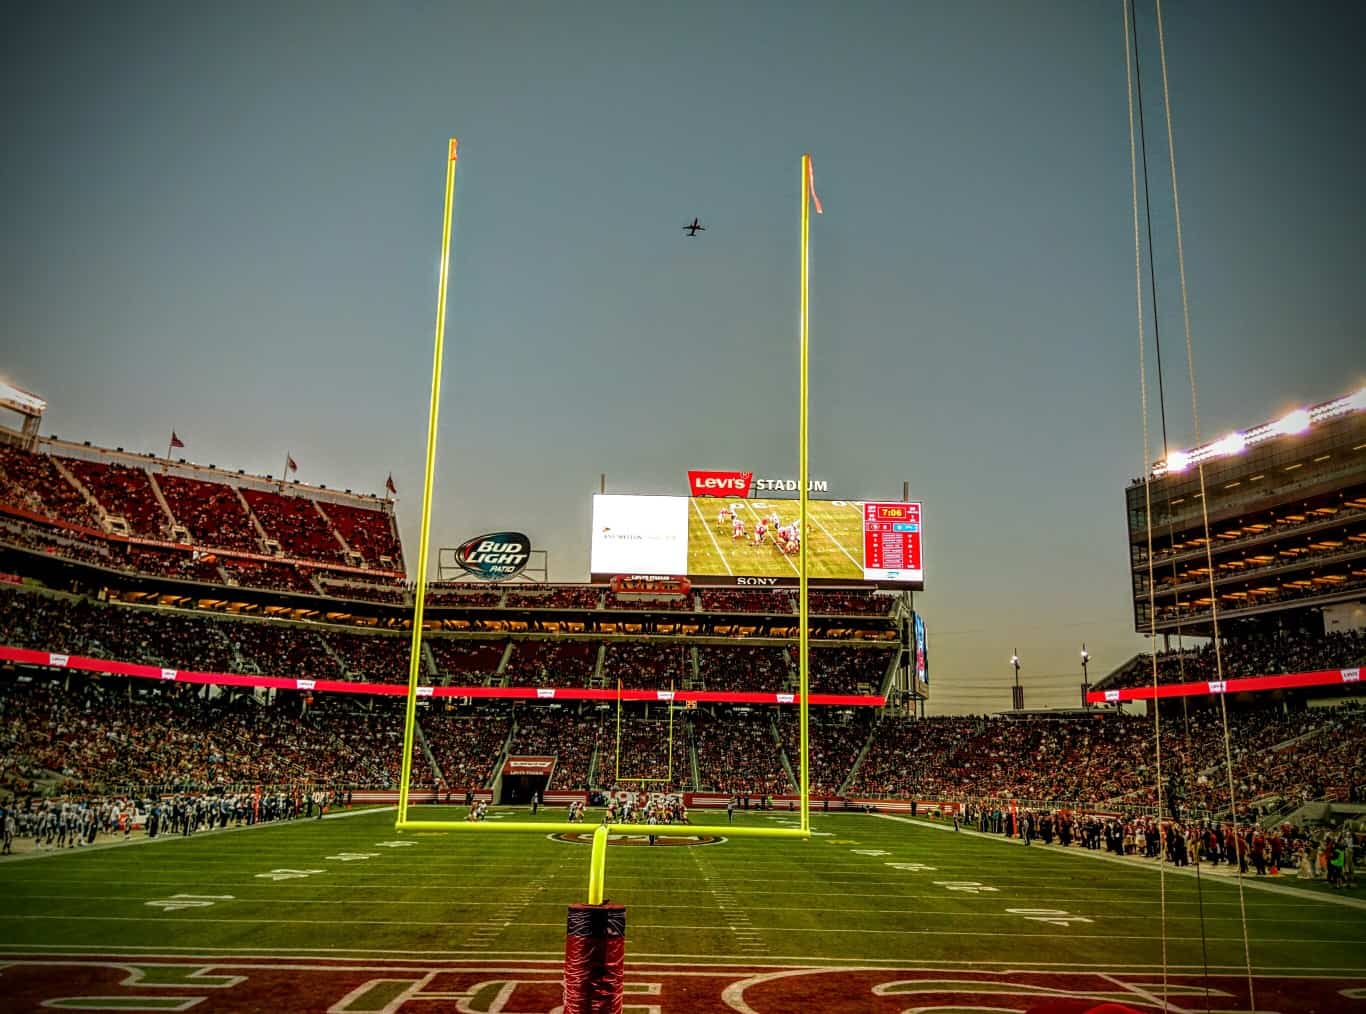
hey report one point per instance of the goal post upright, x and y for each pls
(429, 469)
(803, 604)
(601, 831)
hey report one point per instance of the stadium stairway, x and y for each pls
(884, 687)
(332, 653)
(782, 755)
(79, 486)
(251, 516)
(863, 752)
(501, 673)
(596, 680)
(421, 738)
(336, 532)
(429, 660)
(161, 499)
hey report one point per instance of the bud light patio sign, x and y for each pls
(498, 556)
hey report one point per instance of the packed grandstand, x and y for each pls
(144, 561)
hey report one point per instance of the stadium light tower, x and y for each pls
(1085, 676)
(1017, 695)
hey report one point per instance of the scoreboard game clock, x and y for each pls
(891, 542)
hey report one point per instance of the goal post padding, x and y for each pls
(595, 959)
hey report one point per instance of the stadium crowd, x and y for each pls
(1290, 651)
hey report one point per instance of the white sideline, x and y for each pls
(141, 837)
(1184, 871)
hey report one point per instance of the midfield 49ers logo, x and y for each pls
(708, 483)
(497, 556)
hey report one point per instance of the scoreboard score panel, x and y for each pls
(746, 541)
(891, 542)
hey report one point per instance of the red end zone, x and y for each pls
(391, 986)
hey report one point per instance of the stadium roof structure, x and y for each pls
(1268, 520)
(1291, 424)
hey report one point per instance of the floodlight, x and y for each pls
(1357, 400)
(1294, 422)
(1231, 444)
(1177, 461)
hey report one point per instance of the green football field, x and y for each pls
(834, 548)
(834, 915)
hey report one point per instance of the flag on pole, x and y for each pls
(175, 440)
(811, 185)
(291, 464)
(389, 484)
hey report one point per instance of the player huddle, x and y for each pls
(785, 536)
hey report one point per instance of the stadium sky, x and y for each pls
(225, 219)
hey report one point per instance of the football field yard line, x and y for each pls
(237, 957)
(672, 926)
(775, 543)
(1182, 871)
(838, 545)
(712, 535)
(1164, 1004)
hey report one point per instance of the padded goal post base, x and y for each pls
(594, 959)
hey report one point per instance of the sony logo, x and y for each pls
(762, 581)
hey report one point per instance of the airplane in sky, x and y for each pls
(694, 229)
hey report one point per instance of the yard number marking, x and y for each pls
(178, 901)
(351, 857)
(394, 844)
(967, 886)
(914, 867)
(288, 874)
(1055, 916)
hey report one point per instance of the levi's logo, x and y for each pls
(786, 698)
(1351, 675)
(545, 693)
(709, 483)
(168, 674)
(1112, 695)
(304, 684)
(1217, 686)
(55, 659)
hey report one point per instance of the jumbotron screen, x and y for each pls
(739, 541)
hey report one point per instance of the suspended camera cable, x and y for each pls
(1204, 503)
(1157, 339)
(1147, 456)
(1131, 26)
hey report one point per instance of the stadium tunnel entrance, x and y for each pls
(523, 777)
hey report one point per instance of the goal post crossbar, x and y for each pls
(601, 832)
(561, 827)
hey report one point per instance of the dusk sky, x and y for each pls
(226, 219)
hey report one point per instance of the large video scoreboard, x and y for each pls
(754, 541)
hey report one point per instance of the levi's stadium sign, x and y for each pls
(742, 484)
(498, 556)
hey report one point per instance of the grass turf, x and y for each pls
(864, 890)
